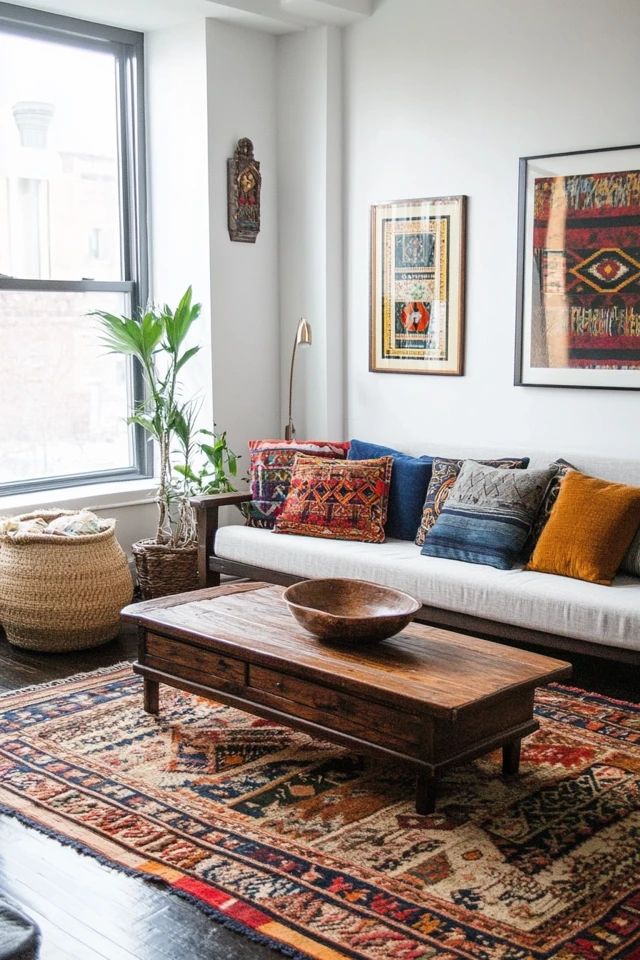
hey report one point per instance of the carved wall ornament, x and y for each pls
(243, 192)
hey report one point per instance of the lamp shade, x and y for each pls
(303, 333)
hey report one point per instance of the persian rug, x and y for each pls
(319, 852)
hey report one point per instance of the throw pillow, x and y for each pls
(271, 466)
(409, 480)
(589, 530)
(562, 468)
(443, 476)
(342, 500)
(488, 515)
(631, 560)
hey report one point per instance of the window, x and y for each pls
(72, 240)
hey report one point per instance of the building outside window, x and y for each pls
(72, 240)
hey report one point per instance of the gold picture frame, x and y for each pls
(417, 286)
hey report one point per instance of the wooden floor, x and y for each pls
(89, 912)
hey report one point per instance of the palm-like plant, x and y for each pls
(156, 338)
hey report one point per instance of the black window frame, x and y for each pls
(127, 46)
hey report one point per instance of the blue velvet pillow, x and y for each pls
(409, 481)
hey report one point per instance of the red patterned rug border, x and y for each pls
(243, 927)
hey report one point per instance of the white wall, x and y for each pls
(241, 91)
(209, 84)
(443, 98)
(310, 207)
(178, 183)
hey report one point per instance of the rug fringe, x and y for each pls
(248, 932)
(99, 671)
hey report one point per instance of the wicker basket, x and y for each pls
(62, 593)
(163, 570)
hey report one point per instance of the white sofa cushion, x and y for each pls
(538, 601)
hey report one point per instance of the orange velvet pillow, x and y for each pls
(589, 529)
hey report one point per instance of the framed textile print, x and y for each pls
(417, 286)
(578, 308)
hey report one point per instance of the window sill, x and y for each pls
(95, 496)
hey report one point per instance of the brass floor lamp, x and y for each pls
(302, 339)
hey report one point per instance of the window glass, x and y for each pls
(72, 241)
(64, 400)
(59, 182)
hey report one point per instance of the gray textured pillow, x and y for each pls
(488, 515)
(631, 560)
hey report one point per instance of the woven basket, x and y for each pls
(62, 593)
(163, 570)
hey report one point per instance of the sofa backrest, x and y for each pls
(609, 468)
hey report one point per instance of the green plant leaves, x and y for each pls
(156, 337)
(186, 356)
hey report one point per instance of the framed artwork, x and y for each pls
(417, 286)
(578, 300)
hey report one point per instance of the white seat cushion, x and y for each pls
(538, 601)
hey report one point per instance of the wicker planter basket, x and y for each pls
(163, 570)
(62, 593)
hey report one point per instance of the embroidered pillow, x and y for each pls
(561, 468)
(488, 515)
(409, 480)
(271, 466)
(443, 476)
(341, 500)
(590, 529)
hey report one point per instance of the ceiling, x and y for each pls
(272, 16)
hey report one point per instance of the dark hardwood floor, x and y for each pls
(87, 911)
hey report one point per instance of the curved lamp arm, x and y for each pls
(302, 338)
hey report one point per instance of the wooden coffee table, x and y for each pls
(427, 697)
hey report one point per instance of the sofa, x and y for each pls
(518, 605)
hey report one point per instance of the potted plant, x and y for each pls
(191, 459)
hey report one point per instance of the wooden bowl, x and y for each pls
(339, 609)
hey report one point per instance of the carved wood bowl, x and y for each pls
(348, 610)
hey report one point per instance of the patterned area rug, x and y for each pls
(319, 852)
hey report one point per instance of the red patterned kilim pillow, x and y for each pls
(339, 499)
(271, 466)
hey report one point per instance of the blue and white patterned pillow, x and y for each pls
(488, 515)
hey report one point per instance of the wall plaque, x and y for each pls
(243, 193)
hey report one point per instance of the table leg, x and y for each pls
(425, 793)
(151, 696)
(511, 758)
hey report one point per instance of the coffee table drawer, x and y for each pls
(181, 657)
(372, 720)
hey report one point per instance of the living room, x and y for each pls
(353, 109)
